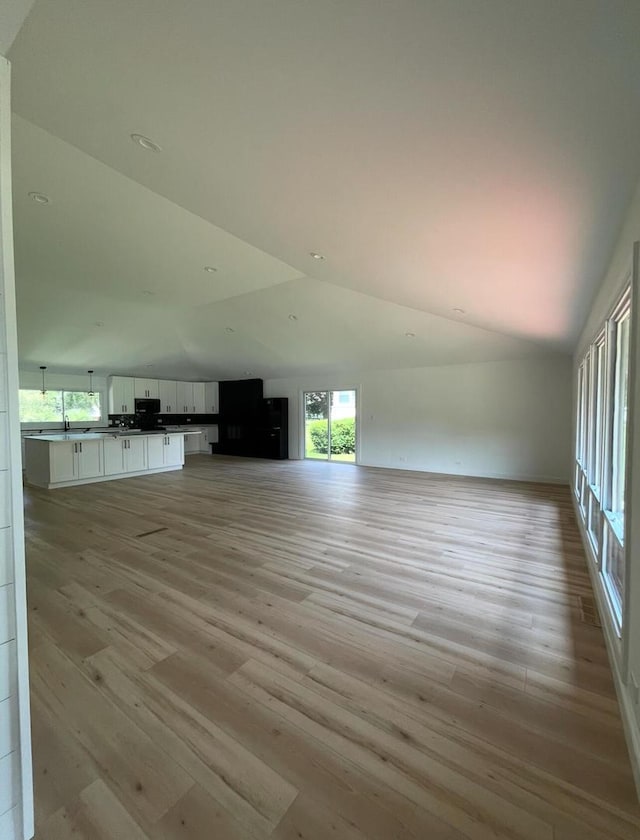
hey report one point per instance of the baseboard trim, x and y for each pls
(614, 650)
(100, 478)
(535, 479)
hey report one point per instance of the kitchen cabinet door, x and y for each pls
(155, 452)
(184, 397)
(135, 454)
(211, 397)
(168, 390)
(198, 397)
(210, 436)
(146, 388)
(192, 444)
(121, 395)
(62, 461)
(113, 456)
(89, 454)
(174, 450)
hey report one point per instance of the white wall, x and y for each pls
(53, 381)
(503, 419)
(624, 652)
(16, 792)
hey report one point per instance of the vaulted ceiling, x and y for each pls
(476, 155)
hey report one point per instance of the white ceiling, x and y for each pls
(439, 154)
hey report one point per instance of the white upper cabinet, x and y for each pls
(168, 390)
(198, 398)
(211, 397)
(175, 397)
(146, 388)
(121, 395)
(184, 397)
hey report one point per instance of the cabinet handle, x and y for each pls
(80, 447)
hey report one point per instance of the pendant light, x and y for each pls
(90, 391)
(44, 390)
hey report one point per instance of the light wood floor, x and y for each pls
(303, 651)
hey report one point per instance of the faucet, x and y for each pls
(67, 424)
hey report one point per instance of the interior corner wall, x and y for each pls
(507, 419)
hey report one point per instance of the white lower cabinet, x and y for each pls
(155, 452)
(123, 455)
(89, 458)
(135, 454)
(62, 462)
(75, 460)
(174, 451)
(165, 451)
(113, 456)
(192, 443)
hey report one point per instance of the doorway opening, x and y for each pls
(330, 425)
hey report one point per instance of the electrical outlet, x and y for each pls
(401, 458)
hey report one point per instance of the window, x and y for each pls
(620, 409)
(54, 406)
(601, 449)
(599, 381)
(581, 411)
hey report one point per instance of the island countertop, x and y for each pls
(116, 433)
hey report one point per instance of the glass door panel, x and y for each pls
(342, 438)
(316, 425)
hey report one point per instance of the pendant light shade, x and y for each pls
(90, 391)
(44, 390)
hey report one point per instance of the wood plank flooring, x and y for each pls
(302, 651)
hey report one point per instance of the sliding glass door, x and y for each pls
(330, 425)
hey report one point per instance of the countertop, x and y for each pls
(114, 434)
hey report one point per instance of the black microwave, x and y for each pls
(146, 406)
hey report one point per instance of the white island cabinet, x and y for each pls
(65, 460)
(73, 460)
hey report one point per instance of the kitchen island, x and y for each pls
(64, 460)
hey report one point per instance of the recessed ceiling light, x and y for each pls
(145, 143)
(99, 323)
(293, 317)
(210, 269)
(458, 311)
(410, 335)
(229, 329)
(39, 198)
(316, 256)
